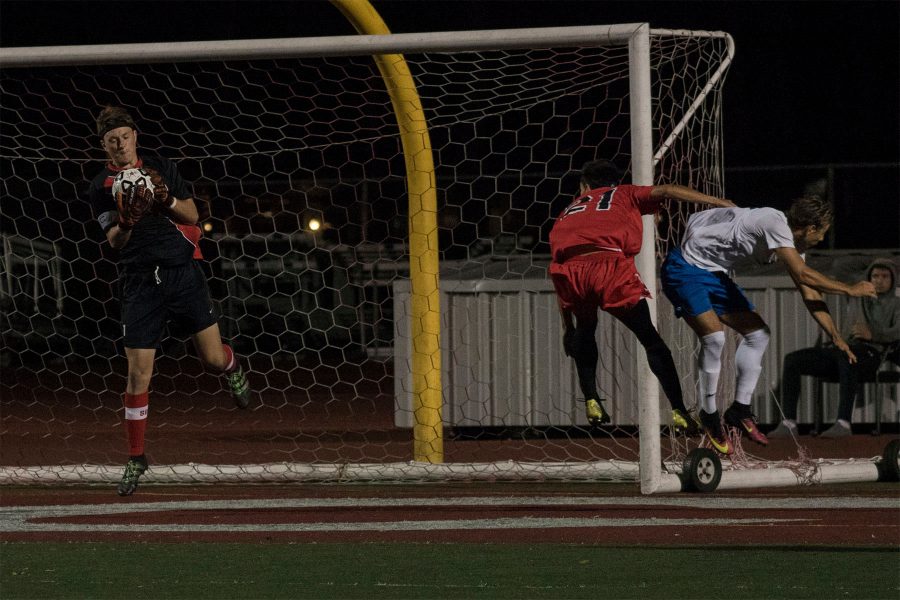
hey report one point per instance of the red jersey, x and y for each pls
(607, 218)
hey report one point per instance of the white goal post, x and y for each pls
(513, 98)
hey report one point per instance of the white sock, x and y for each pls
(844, 423)
(709, 360)
(748, 360)
(790, 423)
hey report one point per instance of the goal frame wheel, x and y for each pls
(701, 471)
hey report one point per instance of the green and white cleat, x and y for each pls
(134, 468)
(240, 388)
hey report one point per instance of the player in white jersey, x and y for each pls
(717, 239)
(696, 279)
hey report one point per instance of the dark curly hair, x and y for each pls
(810, 210)
(600, 173)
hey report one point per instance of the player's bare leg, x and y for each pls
(140, 369)
(743, 322)
(221, 357)
(704, 323)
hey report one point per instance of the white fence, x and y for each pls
(503, 363)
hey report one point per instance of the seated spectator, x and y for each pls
(872, 325)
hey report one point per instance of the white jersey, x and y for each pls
(717, 238)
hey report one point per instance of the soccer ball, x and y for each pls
(124, 180)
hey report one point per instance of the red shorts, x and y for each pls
(602, 280)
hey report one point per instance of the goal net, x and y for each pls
(300, 177)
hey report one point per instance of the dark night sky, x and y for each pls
(812, 82)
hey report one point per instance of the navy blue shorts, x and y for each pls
(153, 297)
(693, 291)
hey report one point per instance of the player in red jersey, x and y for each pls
(593, 244)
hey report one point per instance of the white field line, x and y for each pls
(21, 518)
(435, 525)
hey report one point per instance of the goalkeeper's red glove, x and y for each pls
(161, 196)
(132, 205)
(126, 223)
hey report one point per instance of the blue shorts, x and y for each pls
(693, 291)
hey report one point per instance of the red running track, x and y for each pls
(604, 514)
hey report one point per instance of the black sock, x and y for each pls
(659, 357)
(741, 409)
(586, 355)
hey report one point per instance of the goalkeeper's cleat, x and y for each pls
(712, 426)
(596, 413)
(240, 388)
(683, 421)
(739, 416)
(134, 468)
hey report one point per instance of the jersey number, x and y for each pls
(602, 204)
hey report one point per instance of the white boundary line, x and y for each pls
(19, 519)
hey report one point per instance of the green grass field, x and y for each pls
(201, 570)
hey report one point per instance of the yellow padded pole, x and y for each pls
(428, 437)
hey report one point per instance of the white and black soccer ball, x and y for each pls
(124, 180)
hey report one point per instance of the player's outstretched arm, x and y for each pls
(803, 274)
(686, 194)
(816, 306)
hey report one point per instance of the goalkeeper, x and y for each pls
(156, 233)
(593, 244)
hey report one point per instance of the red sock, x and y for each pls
(231, 362)
(136, 407)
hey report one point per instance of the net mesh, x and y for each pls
(319, 316)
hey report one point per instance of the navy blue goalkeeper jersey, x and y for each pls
(156, 239)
